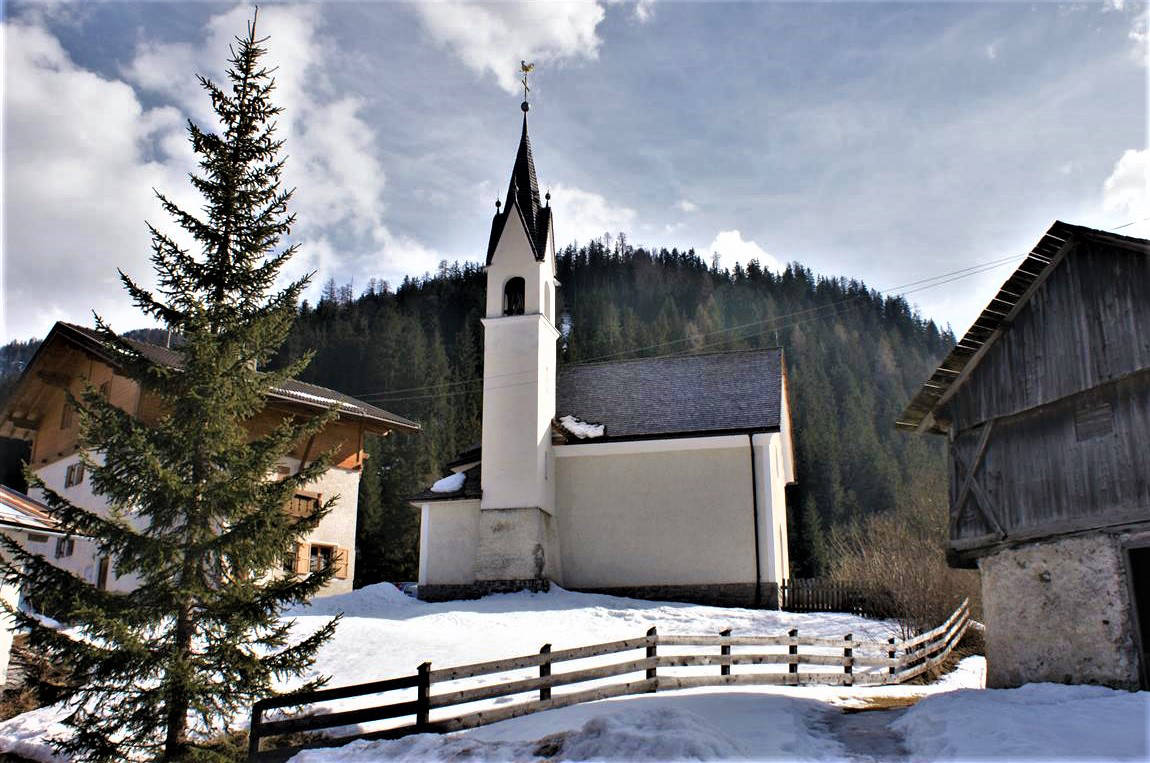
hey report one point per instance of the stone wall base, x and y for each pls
(714, 594)
(1059, 611)
(480, 588)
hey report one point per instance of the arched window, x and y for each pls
(513, 296)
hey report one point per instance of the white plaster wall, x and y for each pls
(518, 407)
(11, 596)
(338, 527)
(664, 512)
(770, 479)
(448, 542)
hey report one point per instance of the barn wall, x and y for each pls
(1060, 612)
(1079, 462)
(1088, 323)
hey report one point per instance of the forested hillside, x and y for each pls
(853, 358)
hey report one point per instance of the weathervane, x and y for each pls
(525, 69)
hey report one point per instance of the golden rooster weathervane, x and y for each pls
(525, 69)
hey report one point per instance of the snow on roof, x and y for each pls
(450, 483)
(581, 429)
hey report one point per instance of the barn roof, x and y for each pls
(290, 390)
(996, 318)
(676, 396)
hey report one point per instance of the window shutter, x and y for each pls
(341, 563)
(301, 558)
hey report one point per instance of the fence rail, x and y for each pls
(858, 662)
(822, 595)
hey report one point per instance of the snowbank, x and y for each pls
(1036, 721)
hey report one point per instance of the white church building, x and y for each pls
(661, 478)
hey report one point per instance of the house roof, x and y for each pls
(523, 190)
(676, 396)
(996, 318)
(290, 390)
(23, 513)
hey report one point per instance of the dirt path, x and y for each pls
(867, 735)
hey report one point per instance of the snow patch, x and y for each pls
(1036, 721)
(581, 429)
(449, 484)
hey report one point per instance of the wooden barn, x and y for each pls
(1045, 404)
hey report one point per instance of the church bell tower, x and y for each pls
(518, 544)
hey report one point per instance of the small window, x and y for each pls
(74, 475)
(37, 538)
(321, 558)
(514, 296)
(303, 504)
(65, 547)
(290, 557)
(105, 389)
(66, 416)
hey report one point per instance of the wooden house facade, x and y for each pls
(73, 358)
(1045, 404)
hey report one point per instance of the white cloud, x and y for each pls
(644, 10)
(1127, 191)
(493, 38)
(583, 215)
(732, 247)
(686, 205)
(992, 51)
(80, 160)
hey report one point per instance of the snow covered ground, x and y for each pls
(385, 634)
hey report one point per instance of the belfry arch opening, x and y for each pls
(514, 296)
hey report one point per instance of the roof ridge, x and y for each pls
(709, 354)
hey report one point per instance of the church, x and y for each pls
(658, 477)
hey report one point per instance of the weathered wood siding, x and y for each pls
(1065, 394)
(1088, 323)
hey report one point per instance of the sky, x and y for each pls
(889, 142)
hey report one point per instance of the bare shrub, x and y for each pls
(903, 552)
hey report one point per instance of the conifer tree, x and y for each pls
(194, 516)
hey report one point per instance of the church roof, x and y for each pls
(676, 396)
(523, 189)
(470, 489)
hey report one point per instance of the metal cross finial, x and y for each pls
(525, 69)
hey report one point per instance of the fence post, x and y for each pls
(890, 653)
(254, 731)
(849, 662)
(545, 672)
(793, 650)
(725, 650)
(652, 652)
(423, 697)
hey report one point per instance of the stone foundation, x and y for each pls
(714, 594)
(1059, 611)
(480, 588)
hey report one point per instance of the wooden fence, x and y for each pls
(841, 662)
(821, 595)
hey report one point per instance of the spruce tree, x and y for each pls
(194, 514)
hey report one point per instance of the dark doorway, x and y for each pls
(1140, 586)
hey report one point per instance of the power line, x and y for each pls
(929, 282)
(953, 276)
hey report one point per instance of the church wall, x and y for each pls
(448, 542)
(676, 514)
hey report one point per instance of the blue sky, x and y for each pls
(888, 142)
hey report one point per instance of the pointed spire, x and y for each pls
(524, 187)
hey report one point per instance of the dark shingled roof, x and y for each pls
(681, 395)
(523, 189)
(1046, 255)
(469, 490)
(291, 390)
